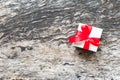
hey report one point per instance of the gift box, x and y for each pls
(86, 37)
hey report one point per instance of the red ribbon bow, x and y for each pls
(84, 35)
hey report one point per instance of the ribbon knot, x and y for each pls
(84, 36)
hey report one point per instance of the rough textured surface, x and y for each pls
(33, 40)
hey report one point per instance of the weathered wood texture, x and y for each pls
(34, 33)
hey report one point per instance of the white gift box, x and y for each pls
(95, 32)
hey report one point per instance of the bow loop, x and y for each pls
(95, 41)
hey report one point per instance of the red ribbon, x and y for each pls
(84, 35)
